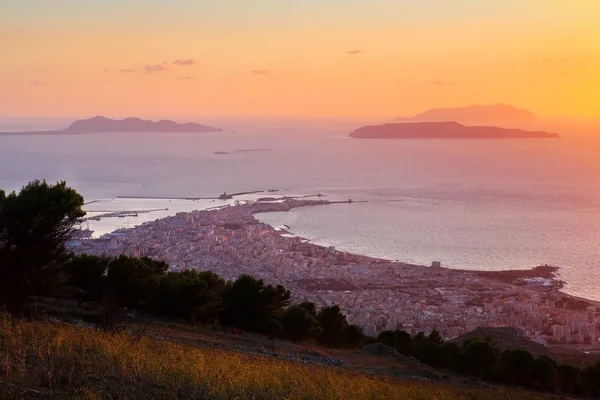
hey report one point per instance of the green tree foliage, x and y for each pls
(35, 225)
(190, 295)
(114, 284)
(544, 374)
(333, 323)
(353, 336)
(400, 340)
(299, 324)
(273, 328)
(569, 378)
(86, 274)
(310, 307)
(435, 337)
(249, 303)
(450, 354)
(517, 366)
(479, 358)
(590, 381)
(427, 352)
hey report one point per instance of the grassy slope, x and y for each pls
(43, 360)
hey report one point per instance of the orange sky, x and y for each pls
(297, 58)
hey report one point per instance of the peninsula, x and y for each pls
(374, 293)
(444, 130)
(497, 114)
(127, 125)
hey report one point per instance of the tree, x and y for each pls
(86, 274)
(298, 324)
(273, 328)
(517, 366)
(353, 336)
(333, 323)
(132, 280)
(590, 380)
(248, 303)
(427, 352)
(191, 295)
(545, 374)
(310, 307)
(568, 378)
(400, 340)
(479, 357)
(449, 357)
(435, 337)
(35, 225)
(113, 284)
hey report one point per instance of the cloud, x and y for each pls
(185, 78)
(438, 82)
(261, 72)
(184, 63)
(354, 52)
(151, 69)
(128, 70)
(37, 83)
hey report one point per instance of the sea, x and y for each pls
(480, 205)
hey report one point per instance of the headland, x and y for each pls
(376, 294)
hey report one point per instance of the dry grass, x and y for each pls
(43, 360)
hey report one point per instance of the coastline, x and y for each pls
(510, 276)
(375, 293)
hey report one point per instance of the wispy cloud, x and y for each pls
(261, 72)
(185, 78)
(128, 70)
(37, 83)
(354, 52)
(151, 69)
(184, 63)
(439, 82)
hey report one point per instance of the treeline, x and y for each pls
(247, 303)
(483, 358)
(37, 222)
(35, 226)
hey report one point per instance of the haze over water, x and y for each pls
(486, 205)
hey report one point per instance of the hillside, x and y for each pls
(475, 114)
(43, 360)
(443, 130)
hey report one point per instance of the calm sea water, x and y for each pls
(471, 204)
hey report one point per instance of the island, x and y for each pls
(444, 130)
(498, 114)
(127, 125)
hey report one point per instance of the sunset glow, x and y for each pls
(297, 58)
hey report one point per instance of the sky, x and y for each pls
(297, 58)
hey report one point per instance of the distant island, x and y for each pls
(475, 114)
(127, 125)
(444, 130)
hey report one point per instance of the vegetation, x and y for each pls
(42, 360)
(37, 222)
(483, 359)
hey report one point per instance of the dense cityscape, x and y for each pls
(376, 294)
